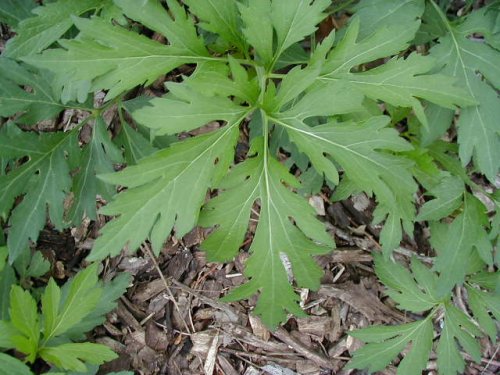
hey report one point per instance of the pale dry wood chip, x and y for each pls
(226, 366)
(252, 371)
(350, 256)
(139, 337)
(303, 350)
(306, 367)
(242, 334)
(209, 365)
(362, 300)
(204, 314)
(258, 328)
(316, 326)
(318, 204)
(339, 348)
(275, 369)
(360, 201)
(202, 341)
(225, 310)
(135, 265)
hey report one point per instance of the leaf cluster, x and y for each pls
(418, 290)
(52, 332)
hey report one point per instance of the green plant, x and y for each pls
(256, 65)
(66, 314)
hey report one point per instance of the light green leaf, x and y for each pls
(401, 81)
(12, 366)
(7, 279)
(80, 297)
(384, 343)
(7, 333)
(41, 104)
(258, 29)
(38, 265)
(439, 120)
(456, 243)
(356, 148)
(97, 157)
(24, 317)
(51, 21)
(220, 17)
(51, 299)
(351, 52)
(295, 19)
(457, 327)
(276, 238)
(486, 280)
(212, 78)
(14, 11)
(415, 291)
(481, 303)
(112, 57)
(4, 253)
(111, 291)
(135, 146)
(463, 57)
(178, 28)
(43, 180)
(449, 196)
(186, 111)
(73, 355)
(157, 199)
(392, 13)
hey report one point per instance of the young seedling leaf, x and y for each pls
(12, 366)
(71, 356)
(111, 292)
(79, 298)
(24, 317)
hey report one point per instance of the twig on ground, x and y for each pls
(167, 288)
(303, 350)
